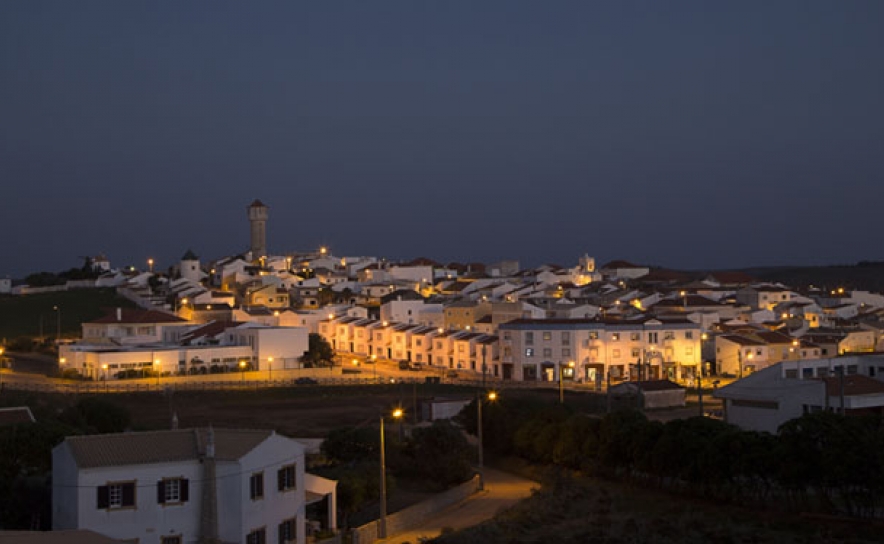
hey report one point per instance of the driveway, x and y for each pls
(502, 490)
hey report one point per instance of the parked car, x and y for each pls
(304, 380)
(417, 366)
(404, 365)
(452, 374)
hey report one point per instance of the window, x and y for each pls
(593, 335)
(287, 531)
(636, 352)
(417, 342)
(258, 536)
(652, 337)
(615, 336)
(689, 351)
(615, 353)
(529, 352)
(566, 352)
(116, 495)
(635, 336)
(285, 478)
(460, 348)
(256, 486)
(171, 539)
(172, 491)
(547, 336)
(529, 338)
(669, 335)
(689, 335)
(547, 352)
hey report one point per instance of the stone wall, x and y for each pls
(414, 515)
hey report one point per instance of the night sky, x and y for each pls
(681, 134)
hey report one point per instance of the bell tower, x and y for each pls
(258, 220)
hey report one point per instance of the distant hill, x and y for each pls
(864, 276)
(25, 315)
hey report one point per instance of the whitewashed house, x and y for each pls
(186, 486)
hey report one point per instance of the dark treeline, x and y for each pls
(821, 462)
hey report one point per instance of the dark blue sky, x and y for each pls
(685, 134)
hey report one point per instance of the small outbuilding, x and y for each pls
(654, 393)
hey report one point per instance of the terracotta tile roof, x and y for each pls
(135, 315)
(742, 340)
(142, 448)
(731, 277)
(853, 385)
(210, 329)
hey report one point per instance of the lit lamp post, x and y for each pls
(156, 368)
(492, 396)
(104, 371)
(374, 363)
(242, 368)
(382, 527)
(561, 382)
(150, 265)
(270, 368)
(2, 350)
(57, 323)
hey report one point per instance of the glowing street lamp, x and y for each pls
(156, 367)
(242, 368)
(150, 265)
(270, 368)
(492, 396)
(382, 528)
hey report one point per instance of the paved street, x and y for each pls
(502, 490)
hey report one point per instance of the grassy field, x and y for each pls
(577, 510)
(23, 315)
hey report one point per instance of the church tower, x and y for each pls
(258, 221)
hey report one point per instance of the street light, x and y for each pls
(57, 324)
(150, 265)
(242, 368)
(270, 368)
(104, 368)
(492, 396)
(561, 383)
(382, 527)
(374, 362)
(156, 367)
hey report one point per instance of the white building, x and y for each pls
(770, 397)
(535, 349)
(186, 486)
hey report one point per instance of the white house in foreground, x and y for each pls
(186, 486)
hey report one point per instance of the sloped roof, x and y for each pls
(143, 448)
(854, 385)
(135, 315)
(15, 415)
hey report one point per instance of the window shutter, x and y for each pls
(280, 479)
(129, 494)
(185, 490)
(103, 501)
(281, 528)
(161, 492)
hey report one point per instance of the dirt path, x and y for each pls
(502, 490)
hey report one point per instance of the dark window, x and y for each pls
(172, 491)
(256, 486)
(285, 478)
(170, 539)
(116, 495)
(287, 531)
(258, 536)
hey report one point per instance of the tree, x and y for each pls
(319, 351)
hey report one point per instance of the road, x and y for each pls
(502, 490)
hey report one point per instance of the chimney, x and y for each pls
(209, 507)
(119, 314)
